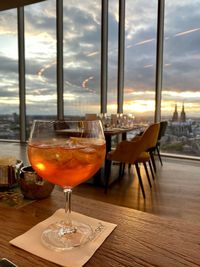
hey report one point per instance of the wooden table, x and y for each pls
(140, 239)
(109, 133)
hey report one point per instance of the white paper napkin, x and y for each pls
(76, 257)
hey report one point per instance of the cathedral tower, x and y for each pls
(183, 115)
(175, 114)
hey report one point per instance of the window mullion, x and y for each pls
(104, 55)
(121, 41)
(159, 59)
(60, 95)
(22, 89)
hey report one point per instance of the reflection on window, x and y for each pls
(9, 92)
(82, 41)
(140, 58)
(181, 79)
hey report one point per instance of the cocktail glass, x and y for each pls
(66, 153)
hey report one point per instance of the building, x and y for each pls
(183, 115)
(176, 118)
(175, 115)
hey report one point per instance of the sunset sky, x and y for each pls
(82, 34)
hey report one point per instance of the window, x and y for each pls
(180, 104)
(9, 87)
(140, 59)
(40, 57)
(181, 78)
(82, 47)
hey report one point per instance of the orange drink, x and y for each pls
(67, 163)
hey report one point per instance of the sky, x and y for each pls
(82, 35)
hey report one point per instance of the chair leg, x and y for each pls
(107, 174)
(147, 173)
(151, 169)
(123, 168)
(159, 156)
(140, 179)
(120, 169)
(153, 160)
(129, 168)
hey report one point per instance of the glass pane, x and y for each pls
(40, 55)
(82, 43)
(140, 59)
(181, 78)
(9, 87)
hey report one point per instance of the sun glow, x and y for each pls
(184, 95)
(39, 98)
(11, 101)
(139, 106)
(69, 96)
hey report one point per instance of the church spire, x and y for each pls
(175, 114)
(183, 115)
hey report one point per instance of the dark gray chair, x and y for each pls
(156, 148)
(163, 127)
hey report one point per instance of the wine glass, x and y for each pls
(66, 153)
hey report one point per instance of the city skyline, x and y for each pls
(82, 28)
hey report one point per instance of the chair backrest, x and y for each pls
(150, 136)
(129, 151)
(163, 127)
(126, 151)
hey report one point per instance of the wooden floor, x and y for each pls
(175, 191)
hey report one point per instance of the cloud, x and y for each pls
(8, 66)
(82, 47)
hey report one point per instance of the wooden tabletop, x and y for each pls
(140, 239)
(116, 131)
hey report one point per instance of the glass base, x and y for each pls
(59, 237)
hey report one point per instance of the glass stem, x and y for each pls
(68, 222)
(68, 193)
